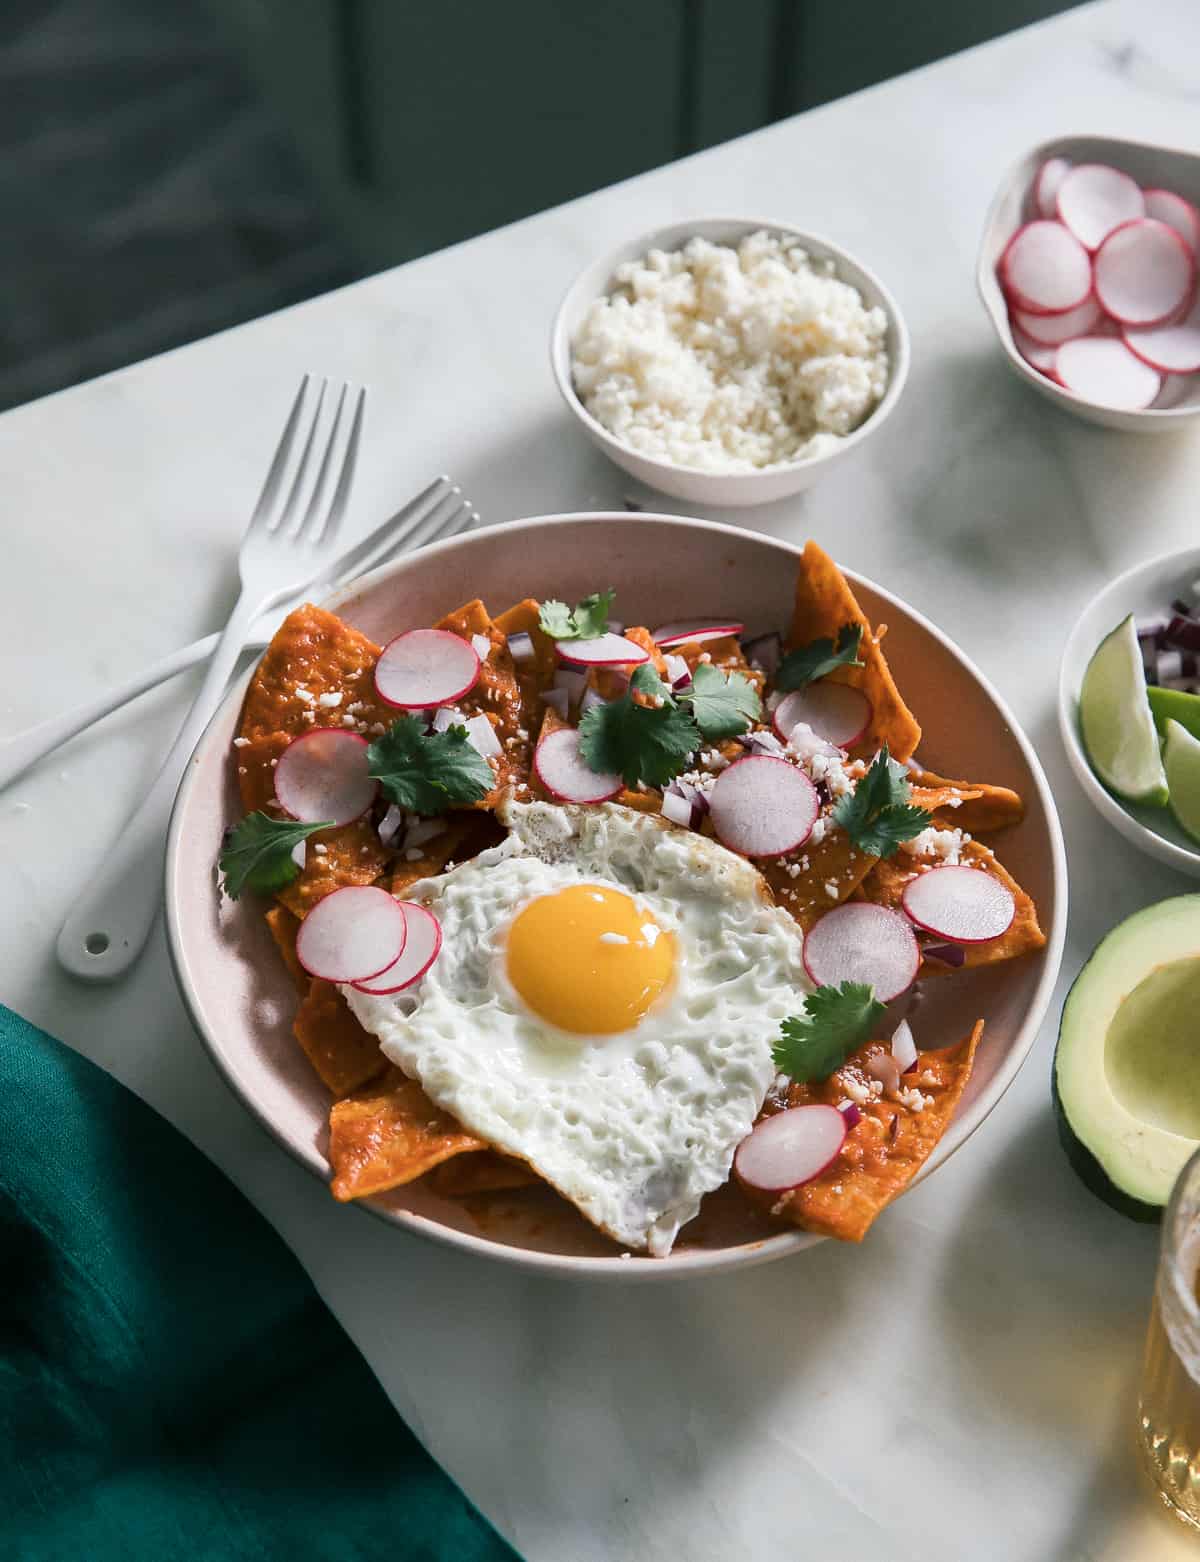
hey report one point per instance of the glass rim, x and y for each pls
(1182, 1295)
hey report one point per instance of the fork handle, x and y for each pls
(109, 925)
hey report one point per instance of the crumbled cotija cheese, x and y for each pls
(731, 359)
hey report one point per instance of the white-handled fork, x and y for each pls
(284, 548)
(439, 511)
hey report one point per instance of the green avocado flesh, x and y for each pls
(1127, 1066)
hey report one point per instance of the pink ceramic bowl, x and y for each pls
(663, 567)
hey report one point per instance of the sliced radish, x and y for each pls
(1166, 206)
(1045, 187)
(422, 946)
(1034, 352)
(965, 905)
(1093, 199)
(1102, 369)
(425, 667)
(602, 651)
(862, 942)
(835, 711)
(763, 807)
(1144, 273)
(904, 1046)
(790, 1148)
(678, 671)
(352, 934)
(1050, 330)
(1046, 269)
(694, 631)
(1172, 348)
(561, 770)
(322, 775)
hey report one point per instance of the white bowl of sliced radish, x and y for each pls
(664, 569)
(1088, 269)
(704, 485)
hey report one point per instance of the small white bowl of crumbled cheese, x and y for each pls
(729, 361)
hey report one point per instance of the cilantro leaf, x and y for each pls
(650, 743)
(584, 621)
(257, 854)
(809, 662)
(835, 1021)
(427, 771)
(877, 815)
(722, 707)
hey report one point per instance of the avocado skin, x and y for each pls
(1089, 1170)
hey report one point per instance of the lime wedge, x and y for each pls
(1114, 713)
(1175, 705)
(1182, 759)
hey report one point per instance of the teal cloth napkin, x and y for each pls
(171, 1386)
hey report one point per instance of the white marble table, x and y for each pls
(960, 1388)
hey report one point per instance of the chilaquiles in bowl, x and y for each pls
(632, 912)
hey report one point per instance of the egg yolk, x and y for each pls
(586, 959)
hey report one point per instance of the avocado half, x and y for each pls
(1127, 1065)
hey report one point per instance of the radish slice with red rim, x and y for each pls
(862, 942)
(1144, 273)
(352, 934)
(1050, 330)
(425, 667)
(695, 631)
(1046, 269)
(1041, 357)
(422, 946)
(322, 777)
(562, 771)
(763, 807)
(1166, 206)
(602, 651)
(790, 1148)
(1093, 199)
(904, 1046)
(1102, 369)
(1173, 348)
(1045, 187)
(837, 712)
(964, 905)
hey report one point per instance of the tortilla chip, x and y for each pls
(343, 1054)
(824, 602)
(353, 854)
(975, 806)
(480, 1171)
(886, 1148)
(833, 863)
(497, 695)
(725, 653)
(284, 927)
(885, 885)
(465, 836)
(386, 1136)
(611, 682)
(535, 673)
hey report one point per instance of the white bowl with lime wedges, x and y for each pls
(1129, 706)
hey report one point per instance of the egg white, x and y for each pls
(633, 1128)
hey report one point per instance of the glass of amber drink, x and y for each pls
(1169, 1405)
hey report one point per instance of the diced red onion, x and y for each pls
(904, 1048)
(1168, 664)
(885, 1069)
(482, 647)
(761, 741)
(678, 671)
(764, 652)
(1188, 685)
(1152, 630)
(300, 854)
(572, 681)
(590, 700)
(481, 735)
(616, 626)
(852, 1115)
(677, 809)
(446, 717)
(520, 646)
(391, 824)
(945, 954)
(557, 700)
(1181, 607)
(421, 830)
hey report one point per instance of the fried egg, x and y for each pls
(604, 1007)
